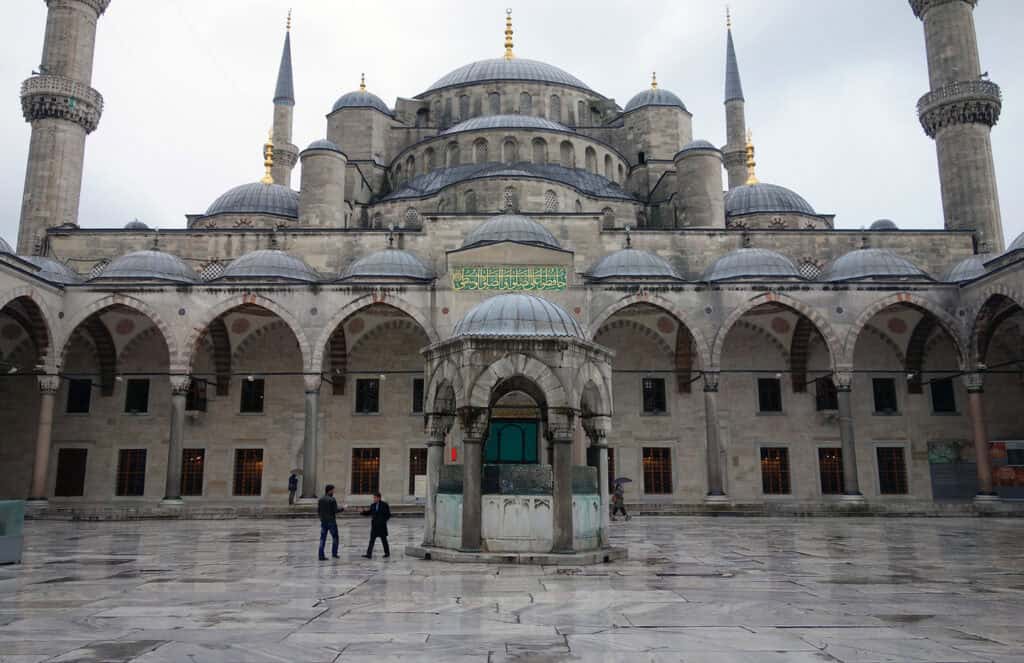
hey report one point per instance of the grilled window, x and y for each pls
(769, 395)
(943, 397)
(131, 472)
(212, 270)
(193, 461)
(657, 470)
(252, 396)
(136, 399)
(809, 270)
(892, 471)
(654, 396)
(79, 396)
(417, 467)
(775, 470)
(367, 396)
(248, 472)
(71, 472)
(365, 471)
(417, 395)
(885, 395)
(830, 466)
(826, 397)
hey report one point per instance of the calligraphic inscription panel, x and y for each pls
(516, 278)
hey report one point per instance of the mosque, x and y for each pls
(500, 295)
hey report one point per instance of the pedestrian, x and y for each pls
(328, 509)
(293, 485)
(619, 502)
(379, 513)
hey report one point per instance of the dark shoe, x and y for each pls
(387, 555)
(367, 556)
(336, 556)
(323, 559)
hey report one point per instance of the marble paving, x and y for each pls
(696, 590)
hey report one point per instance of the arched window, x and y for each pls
(591, 160)
(410, 167)
(641, 158)
(480, 150)
(510, 150)
(525, 103)
(609, 167)
(478, 106)
(494, 103)
(607, 218)
(622, 174)
(412, 218)
(581, 113)
(436, 112)
(429, 159)
(470, 202)
(453, 158)
(579, 206)
(555, 108)
(446, 119)
(464, 107)
(567, 154)
(511, 200)
(540, 150)
(550, 201)
(398, 176)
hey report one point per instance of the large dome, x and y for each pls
(632, 263)
(270, 264)
(500, 69)
(361, 99)
(257, 198)
(518, 315)
(511, 228)
(751, 264)
(388, 264)
(765, 198)
(148, 266)
(871, 263)
(506, 122)
(656, 97)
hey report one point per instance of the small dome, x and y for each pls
(698, 145)
(270, 264)
(5, 247)
(751, 264)
(871, 263)
(632, 263)
(361, 99)
(148, 266)
(966, 270)
(1017, 244)
(657, 97)
(518, 315)
(257, 198)
(53, 271)
(324, 144)
(389, 263)
(505, 122)
(884, 224)
(136, 225)
(500, 69)
(511, 228)
(765, 198)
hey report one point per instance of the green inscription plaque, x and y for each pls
(529, 278)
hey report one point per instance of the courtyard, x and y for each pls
(694, 590)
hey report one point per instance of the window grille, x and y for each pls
(550, 201)
(248, 472)
(657, 463)
(193, 461)
(212, 270)
(775, 470)
(98, 268)
(892, 471)
(412, 218)
(365, 471)
(417, 467)
(830, 465)
(809, 270)
(131, 472)
(654, 396)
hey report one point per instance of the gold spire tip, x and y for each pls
(289, 20)
(654, 80)
(751, 164)
(362, 82)
(268, 159)
(508, 35)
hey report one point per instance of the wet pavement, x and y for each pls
(695, 590)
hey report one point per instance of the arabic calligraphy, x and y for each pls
(528, 278)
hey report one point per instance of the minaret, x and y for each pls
(285, 153)
(63, 109)
(734, 152)
(959, 114)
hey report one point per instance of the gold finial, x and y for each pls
(728, 18)
(362, 82)
(268, 159)
(751, 164)
(508, 35)
(289, 20)
(654, 80)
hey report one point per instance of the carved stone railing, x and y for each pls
(921, 7)
(62, 98)
(961, 102)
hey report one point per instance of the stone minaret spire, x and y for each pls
(959, 114)
(285, 153)
(63, 109)
(734, 153)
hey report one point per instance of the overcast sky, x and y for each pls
(831, 88)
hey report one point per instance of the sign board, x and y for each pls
(421, 486)
(516, 278)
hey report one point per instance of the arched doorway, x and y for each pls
(515, 431)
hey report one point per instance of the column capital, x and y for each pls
(842, 378)
(711, 381)
(974, 382)
(438, 426)
(49, 384)
(561, 424)
(180, 384)
(475, 421)
(597, 429)
(312, 383)
(921, 7)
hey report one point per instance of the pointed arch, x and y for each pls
(34, 318)
(916, 348)
(700, 343)
(518, 365)
(447, 374)
(137, 305)
(945, 320)
(799, 353)
(997, 305)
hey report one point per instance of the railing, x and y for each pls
(958, 90)
(62, 87)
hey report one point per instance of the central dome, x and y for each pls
(518, 315)
(500, 69)
(765, 198)
(506, 122)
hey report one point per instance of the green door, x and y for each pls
(512, 441)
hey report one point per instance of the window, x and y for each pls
(830, 466)
(248, 472)
(365, 471)
(70, 473)
(195, 399)
(641, 158)
(943, 397)
(252, 396)
(79, 396)
(611, 470)
(417, 396)
(550, 201)
(657, 470)
(211, 270)
(470, 202)
(555, 108)
(192, 463)
(525, 103)
(417, 467)
(654, 396)
(809, 270)
(892, 471)
(464, 107)
(769, 395)
(826, 397)
(775, 470)
(131, 472)
(367, 396)
(494, 103)
(1014, 454)
(480, 150)
(136, 396)
(885, 395)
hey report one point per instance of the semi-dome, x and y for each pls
(765, 198)
(511, 228)
(324, 144)
(505, 122)
(884, 224)
(389, 263)
(500, 69)
(53, 271)
(871, 263)
(361, 99)
(270, 264)
(148, 266)
(5, 247)
(257, 198)
(751, 264)
(518, 315)
(136, 225)
(654, 97)
(966, 270)
(632, 263)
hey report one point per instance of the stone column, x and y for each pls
(716, 490)
(561, 425)
(311, 437)
(48, 387)
(475, 422)
(851, 482)
(597, 429)
(437, 430)
(179, 392)
(976, 412)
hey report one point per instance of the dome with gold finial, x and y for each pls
(654, 96)
(263, 197)
(756, 197)
(361, 98)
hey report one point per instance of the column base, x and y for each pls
(176, 502)
(987, 498)
(302, 501)
(852, 499)
(717, 499)
(37, 503)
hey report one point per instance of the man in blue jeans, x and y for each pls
(328, 510)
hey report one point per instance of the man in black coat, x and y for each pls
(328, 509)
(379, 513)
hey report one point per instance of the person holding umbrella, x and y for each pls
(618, 498)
